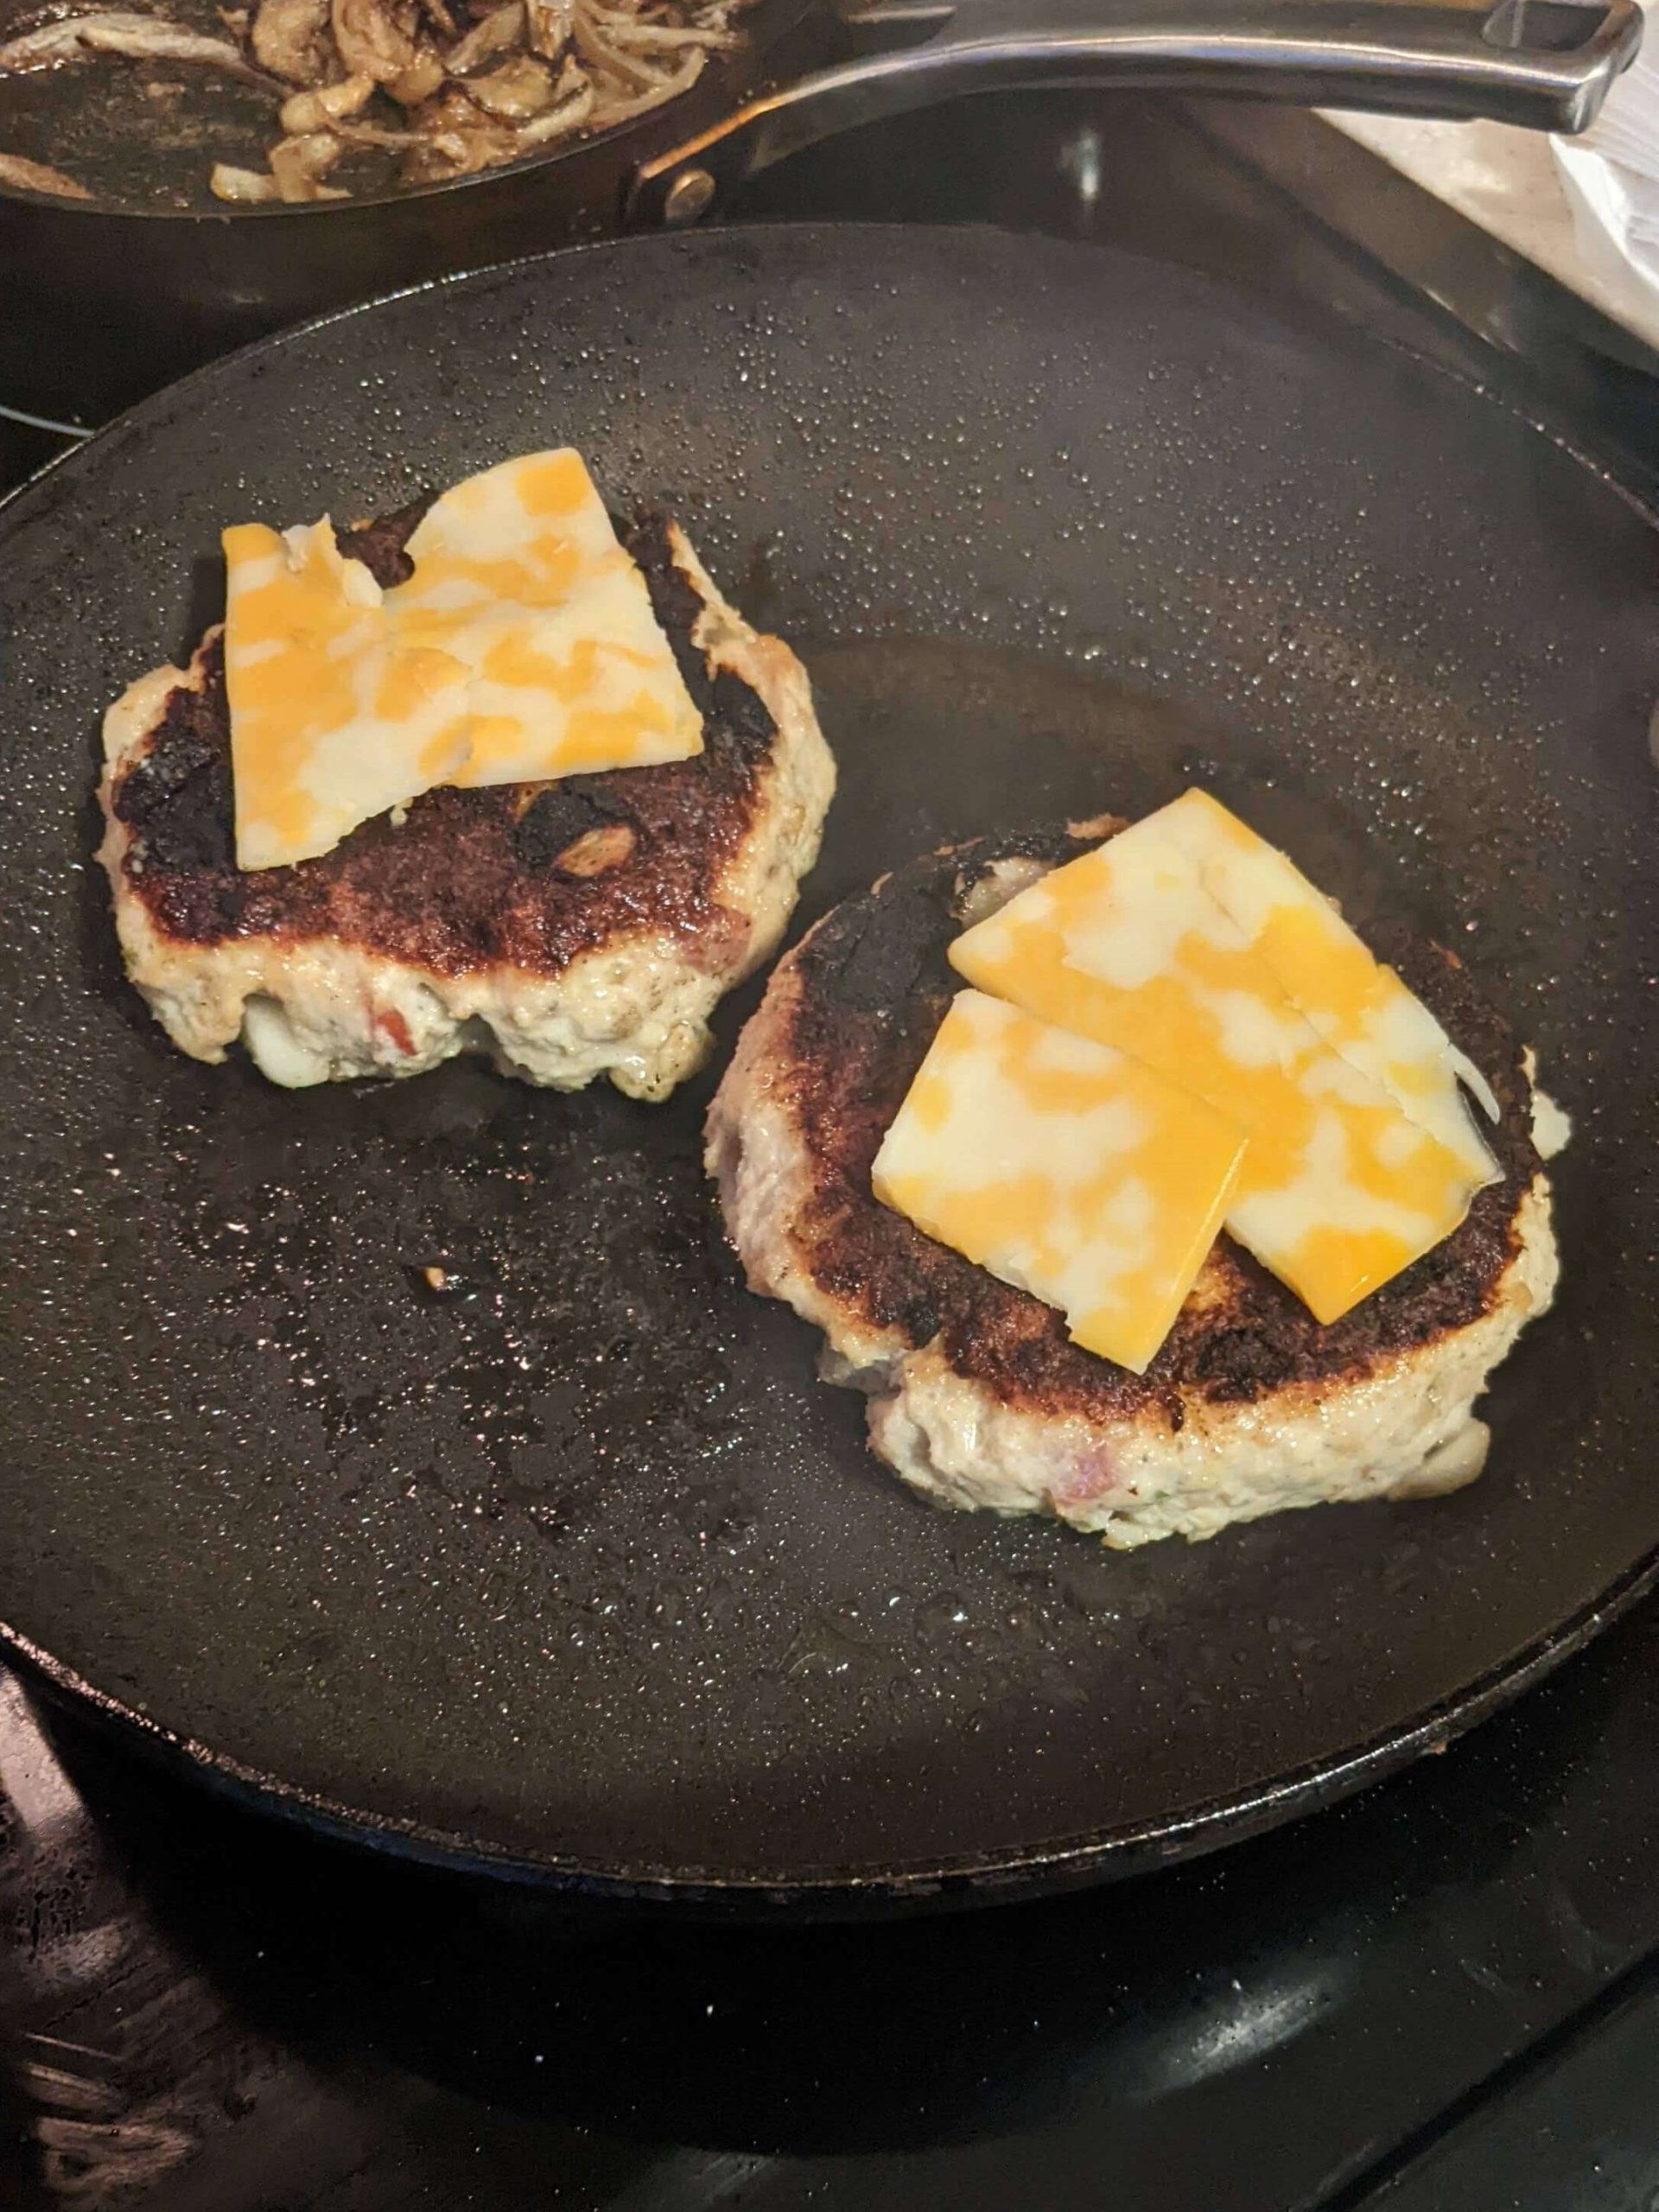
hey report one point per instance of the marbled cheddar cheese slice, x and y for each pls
(522, 647)
(1361, 1008)
(333, 719)
(1338, 1190)
(519, 575)
(1066, 1168)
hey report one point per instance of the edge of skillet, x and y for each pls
(1299, 589)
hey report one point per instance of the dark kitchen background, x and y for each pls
(1443, 1994)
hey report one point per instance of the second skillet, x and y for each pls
(121, 298)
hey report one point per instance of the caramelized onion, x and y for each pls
(480, 82)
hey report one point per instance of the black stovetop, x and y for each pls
(1445, 1994)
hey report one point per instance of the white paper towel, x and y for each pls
(1610, 174)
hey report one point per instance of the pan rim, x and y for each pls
(1031, 1868)
(1068, 1862)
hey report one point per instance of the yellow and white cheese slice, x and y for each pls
(1339, 1189)
(333, 719)
(1067, 1169)
(1360, 1008)
(518, 574)
(523, 647)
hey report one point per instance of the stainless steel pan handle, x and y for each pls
(1544, 63)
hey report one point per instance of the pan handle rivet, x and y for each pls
(690, 195)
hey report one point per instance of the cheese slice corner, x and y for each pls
(1066, 1168)
(1359, 1007)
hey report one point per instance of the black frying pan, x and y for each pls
(182, 284)
(578, 1571)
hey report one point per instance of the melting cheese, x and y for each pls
(518, 574)
(1066, 1168)
(1362, 1009)
(1339, 1189)
(523, 648)
(333, 719)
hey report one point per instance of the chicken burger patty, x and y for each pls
(976, 1396)
(571, 928)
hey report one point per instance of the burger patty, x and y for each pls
(570, 929)
(976, 1396)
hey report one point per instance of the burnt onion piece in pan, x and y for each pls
(34, 176)
(457, 85)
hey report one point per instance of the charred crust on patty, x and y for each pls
(1048, 845)
(382, 545)
(561, 816)
(176, 798)
(873, 984)
(722, 698)
(499, 853)
(882, 955)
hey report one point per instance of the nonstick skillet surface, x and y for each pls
(575, 1569)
